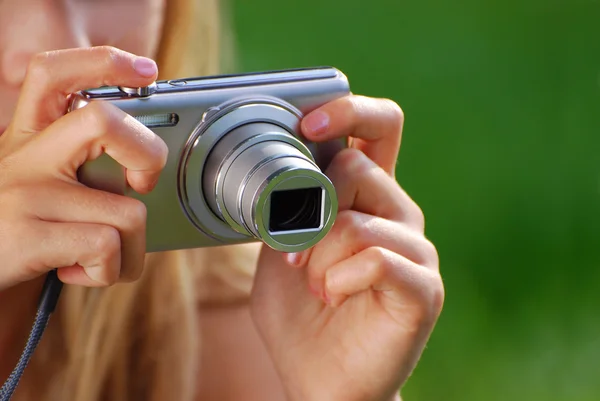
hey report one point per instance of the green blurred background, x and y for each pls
(502, 151)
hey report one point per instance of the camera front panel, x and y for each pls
(181, 112)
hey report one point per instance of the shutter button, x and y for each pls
(139, 92)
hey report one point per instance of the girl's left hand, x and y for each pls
(348, 319)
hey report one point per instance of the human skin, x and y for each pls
(346, 320)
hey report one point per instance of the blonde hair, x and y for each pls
(139, 341)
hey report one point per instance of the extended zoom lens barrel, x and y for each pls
(263, 182)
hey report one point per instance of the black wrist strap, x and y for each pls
(47, 303)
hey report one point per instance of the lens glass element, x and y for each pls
(296, 209)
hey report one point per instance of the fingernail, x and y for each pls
(95, 274)
(317, 122)
(145, 67)
(326, 298)
(293, 258)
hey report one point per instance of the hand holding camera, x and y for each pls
(48, 219)
(354, 312)
(344, 314)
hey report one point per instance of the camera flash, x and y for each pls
(159, 120)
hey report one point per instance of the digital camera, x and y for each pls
(238, 168)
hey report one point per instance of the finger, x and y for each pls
(78, 204)
(384, 271)
(370, 190)
(374, 124)
(353, 232)
(100, 128)
(51, 77)
(43, 246)
(298, 259)
(76, 275)
(363, 186)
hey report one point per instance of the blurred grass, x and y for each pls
(501, 149)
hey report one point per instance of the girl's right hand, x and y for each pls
(47, 218)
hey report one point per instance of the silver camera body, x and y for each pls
(238, 168)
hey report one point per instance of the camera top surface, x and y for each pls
(214, 82)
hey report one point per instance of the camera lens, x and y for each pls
(295, 209)
(263, 182)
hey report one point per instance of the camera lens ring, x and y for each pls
(294, 241)
(201, 142)
(226, 153)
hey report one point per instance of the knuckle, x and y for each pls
(381, 255)
(430, 252)
(38, 68)
(418, 216)
(353, 228)
(134, 214)
(155, 149)
(352, 104)
(111, 59)
(106, 246)
(99, 115)
(107, 242)
(350, 163)
(347, 220)
(395, 112)
(109, 54)
(354, 108)
(429, 299)
(381, 263)
(353, 161)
